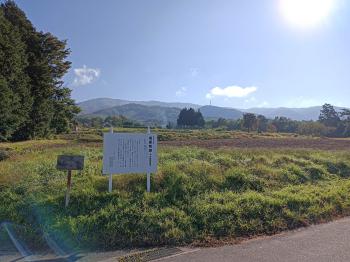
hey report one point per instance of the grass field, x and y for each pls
(199, 195)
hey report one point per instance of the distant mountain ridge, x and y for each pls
(161, 113)
(308, 113)
(155, 115)
(215, 112)
(93, 105)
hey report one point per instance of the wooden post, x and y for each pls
(69, 185)
(69, 163)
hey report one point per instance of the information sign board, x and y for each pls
(125, 153)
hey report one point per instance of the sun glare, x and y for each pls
(306, 13)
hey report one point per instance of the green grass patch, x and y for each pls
(196, 194)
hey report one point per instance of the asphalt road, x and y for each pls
(8, 251)
(322, 243)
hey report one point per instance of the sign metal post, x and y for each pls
(110, 180)
(148, 173)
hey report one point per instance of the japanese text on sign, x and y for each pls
(129, 153)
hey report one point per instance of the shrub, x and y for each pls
(174, 185)
(238, 180)
(4, 155)
(339, 168)
(316, 172)
(293, 174)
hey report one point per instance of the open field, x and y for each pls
(199, 195)
(231, 139)
(267, 142)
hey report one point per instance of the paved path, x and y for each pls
(322, 243)
(8, 251)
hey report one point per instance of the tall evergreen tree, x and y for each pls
(345, 114)
(249, 120)
(329, 116)
(261, 123)
(47, 103)
(64, 107)
(15, 99)
(190, 118)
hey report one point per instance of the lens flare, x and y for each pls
(306, 13)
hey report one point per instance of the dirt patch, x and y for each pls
(269, 143)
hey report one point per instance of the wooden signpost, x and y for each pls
(69, 163)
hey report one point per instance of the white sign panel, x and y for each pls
(125, 153)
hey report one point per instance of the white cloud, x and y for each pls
(231, 91)
(85, 75)
(181, 92)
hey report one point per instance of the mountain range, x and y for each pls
(157, 112)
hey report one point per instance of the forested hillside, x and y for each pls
(34, 102)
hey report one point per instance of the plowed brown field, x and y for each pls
(270, 143)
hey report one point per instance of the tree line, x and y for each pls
(109, 121)
(34, 102)
(330, 123)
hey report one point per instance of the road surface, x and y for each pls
(322, 243)
(8, 252)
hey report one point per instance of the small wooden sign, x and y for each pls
(69, 163)
(66, 162)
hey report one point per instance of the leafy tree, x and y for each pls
(97, 122)
(221, 122)
(262, 123)
(7, 124)
(190, 118)
(271, 128)
(345, 114)
(284, 124)
(15, 99)
(235, 124)
(249, 120)
(65, 110)
(199, 119)
(329, 116)
(43, 105)
(115, 121)
(313, 128)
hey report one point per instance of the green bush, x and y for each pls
(339, 168)
(239, 180)
(316, 172)
(4, 155)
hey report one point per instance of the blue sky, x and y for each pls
(236, 53)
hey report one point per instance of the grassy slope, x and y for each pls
(197, 194)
